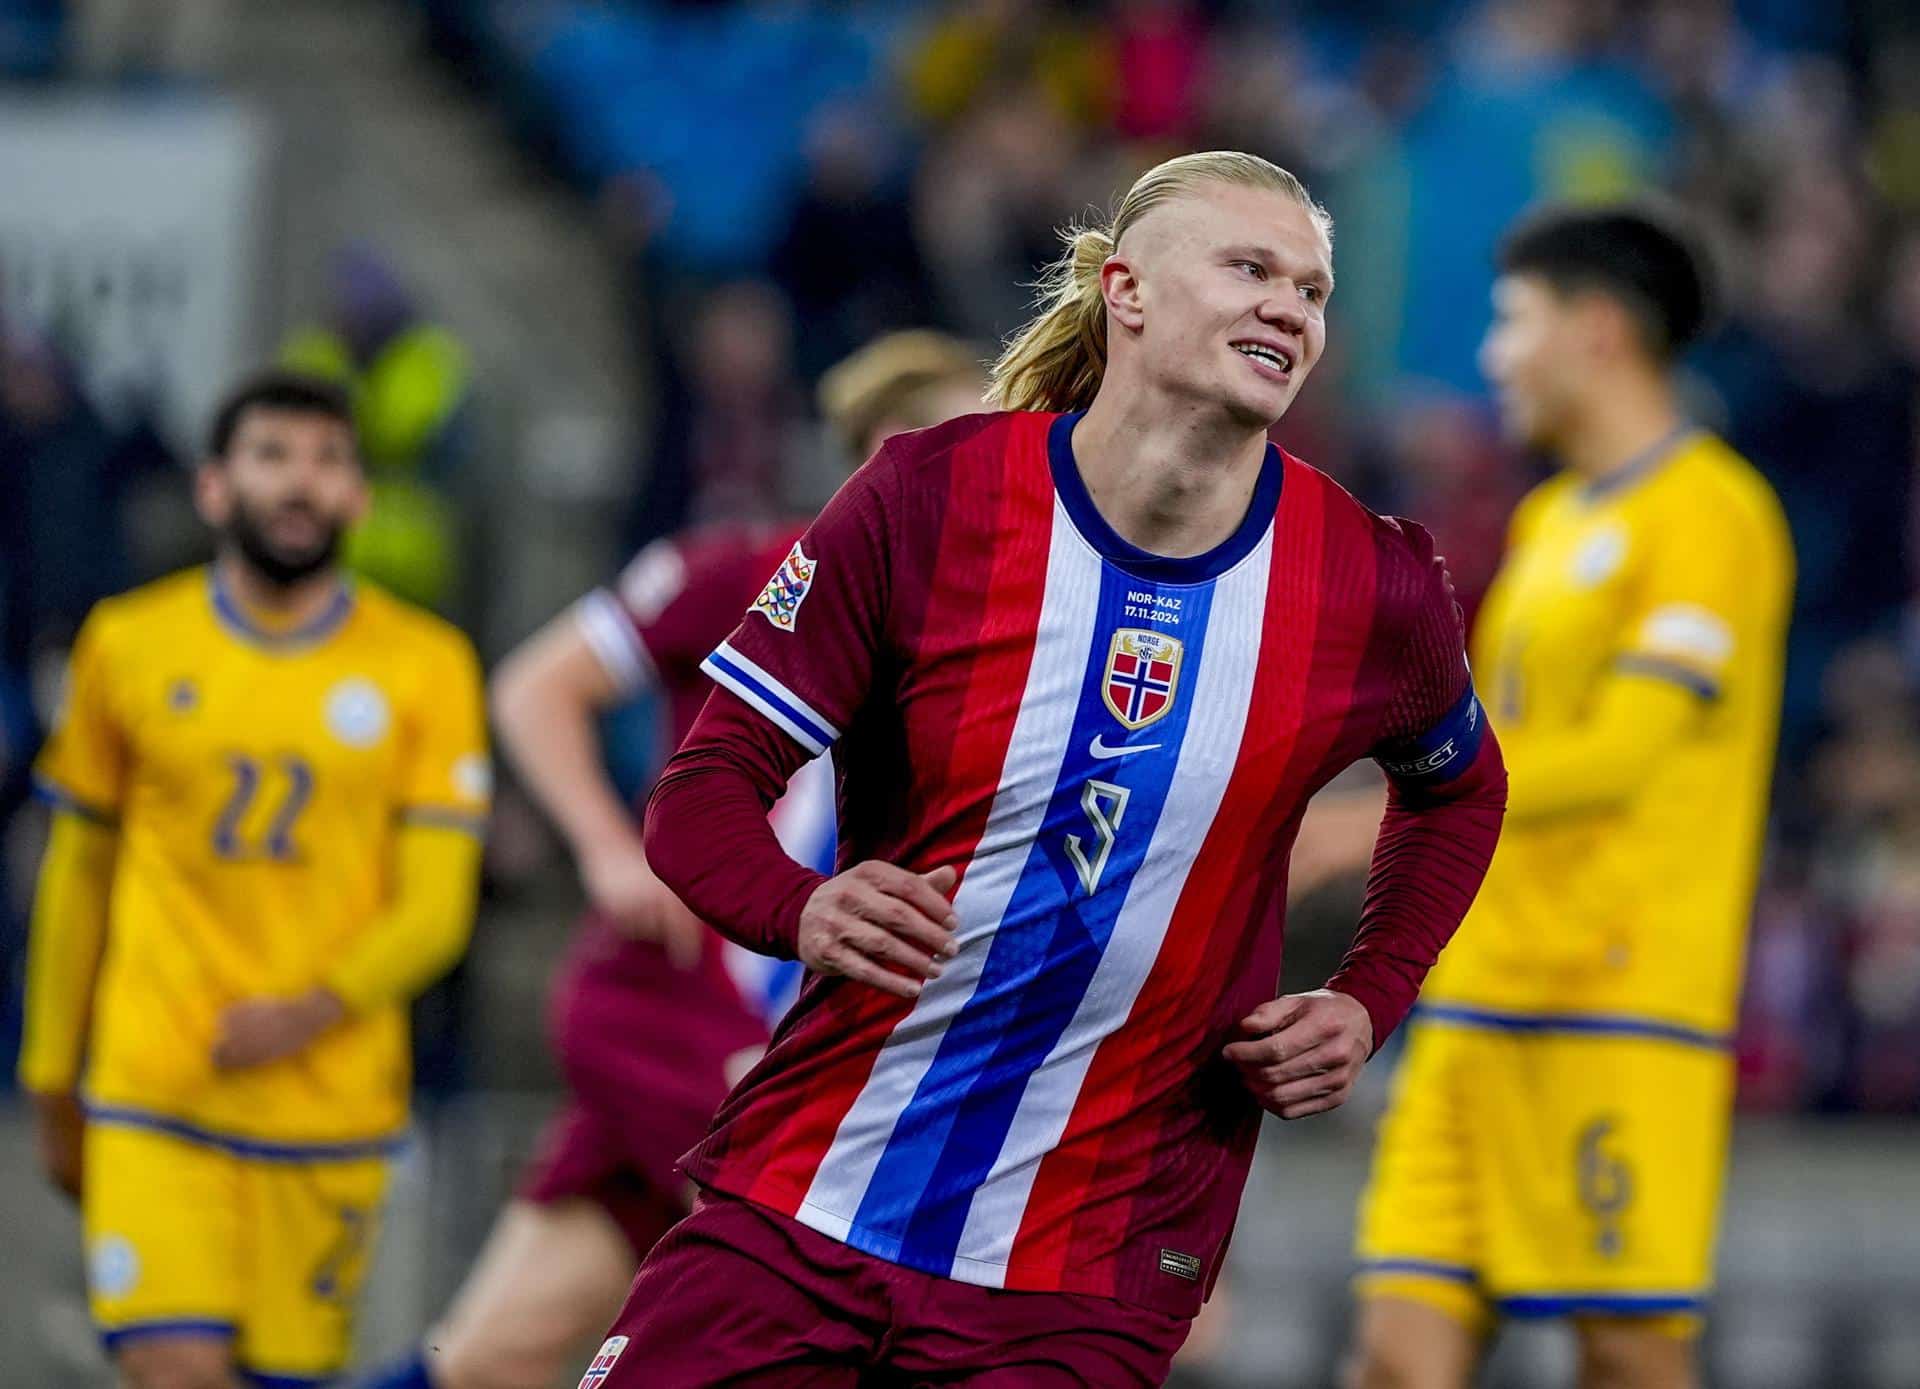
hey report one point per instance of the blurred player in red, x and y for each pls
(1082, 663)
(654, 1017)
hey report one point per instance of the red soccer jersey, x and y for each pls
(673, 603)
(1115, 749)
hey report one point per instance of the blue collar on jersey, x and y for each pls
(1640, 465)
(234, 618)
(1144, 564)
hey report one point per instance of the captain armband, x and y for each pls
(1444, 751)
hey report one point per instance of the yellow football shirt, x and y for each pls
(259, 783)
(1632, 908)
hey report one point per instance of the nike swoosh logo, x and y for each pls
(1099, 748)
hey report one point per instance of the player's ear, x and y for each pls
(1603, 324)
(1120, 287)
(213, 492)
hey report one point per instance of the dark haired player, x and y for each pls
(270, 786)
(1557, 1141)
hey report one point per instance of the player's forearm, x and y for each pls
(1431, 855)
(69, 937)
(423, 931)
(1601, 764)
(707, 834)
(552, 734)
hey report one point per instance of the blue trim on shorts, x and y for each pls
(1628, 1304)
(259, 1150)
(1425, 1268)
(1579, 1024)
(114, 1337)
(254, 1379)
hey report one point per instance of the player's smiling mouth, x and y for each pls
(1277, 361)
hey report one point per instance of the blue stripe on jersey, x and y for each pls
(1673, 672)
(1043, 952)
(54, 794)
(1444, 751)
(729, 668)
(319, 628)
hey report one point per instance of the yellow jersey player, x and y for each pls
(1557, 1138)
(270, 786)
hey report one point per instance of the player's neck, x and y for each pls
(277, 605)
(1623, 425)
(1173, 483)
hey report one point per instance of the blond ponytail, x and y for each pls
(1057, 360)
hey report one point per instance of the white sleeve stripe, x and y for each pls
(777, 687)
(609, 631)
(788, 711)
(1687, 630)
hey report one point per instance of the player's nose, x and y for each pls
(1283, 308)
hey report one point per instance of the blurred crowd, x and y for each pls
(790, 178)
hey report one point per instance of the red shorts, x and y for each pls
(738, 1295)
(644, 1047)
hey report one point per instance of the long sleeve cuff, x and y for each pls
(1431, 855)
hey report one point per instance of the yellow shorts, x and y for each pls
(191, 1233)
(1549, 1167)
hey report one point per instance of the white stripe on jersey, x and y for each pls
(1035, 751)
(1207, 758)
(765, 692)
(609, 630)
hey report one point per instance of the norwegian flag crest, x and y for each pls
(603, 1361)
(1143, 672)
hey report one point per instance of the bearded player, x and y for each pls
(654, 1016)
(1081, 664)
(270, 785)
(1557, 1141)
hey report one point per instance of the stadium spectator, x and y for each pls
(411, 384)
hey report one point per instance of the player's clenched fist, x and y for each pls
(1303, 1052)
(882, 925)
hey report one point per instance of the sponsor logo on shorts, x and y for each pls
(603, 1362)
(1180, 1265)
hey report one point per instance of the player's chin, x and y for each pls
(307, 555)
(1524, 428)
(1262, 407)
